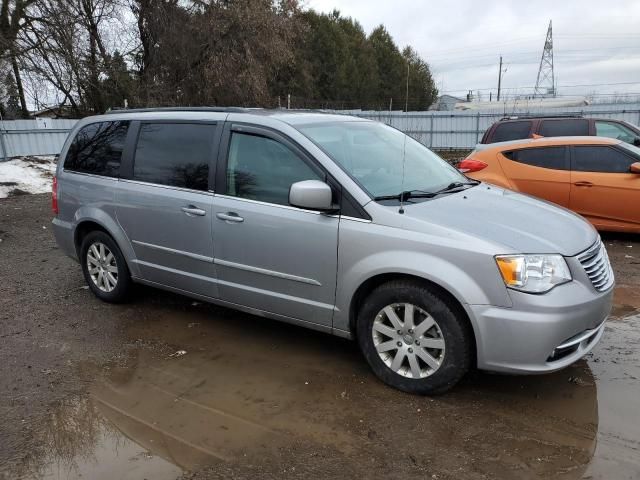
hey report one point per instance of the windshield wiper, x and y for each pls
(455, 186)
(407, 194)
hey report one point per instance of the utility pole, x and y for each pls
(499, 78)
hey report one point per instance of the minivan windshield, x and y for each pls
(372, 153)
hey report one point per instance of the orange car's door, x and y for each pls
(602, 188)
(539, 171)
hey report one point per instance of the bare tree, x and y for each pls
(93, 54)
(13, 16)
(64, 45)
(212, 52)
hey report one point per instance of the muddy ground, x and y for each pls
(91, 390)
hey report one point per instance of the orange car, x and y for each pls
(597, 177)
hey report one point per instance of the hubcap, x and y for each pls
(408, 340)
(102, 266)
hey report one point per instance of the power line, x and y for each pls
(598, 36)
(484, 46)
(435, 68)
(588, 51)
(533, 61)
(444, 53)
(534, 39)
(559, 86)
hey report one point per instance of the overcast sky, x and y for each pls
(595, 42)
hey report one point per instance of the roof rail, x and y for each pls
(556, 115)
(177, 109)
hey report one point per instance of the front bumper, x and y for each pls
(540, 333)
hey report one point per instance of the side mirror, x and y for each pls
(636, 141)
(635, 167)
(312, 195)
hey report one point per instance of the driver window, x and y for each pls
(263, 169)
(601, 159)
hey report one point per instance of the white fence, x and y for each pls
(464, 129)
(42, 136)
(438, 130)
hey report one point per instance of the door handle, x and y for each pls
(192, 211)
(230, 217)
(583, 184)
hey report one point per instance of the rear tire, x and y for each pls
(104, 267)
(413, 339)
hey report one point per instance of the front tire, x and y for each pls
(104, 267)
(413, 339)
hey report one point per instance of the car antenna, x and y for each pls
(404, 144)
(404, 149)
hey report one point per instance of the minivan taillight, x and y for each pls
(54, 196)
(469, 165)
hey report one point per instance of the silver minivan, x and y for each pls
(338, 224)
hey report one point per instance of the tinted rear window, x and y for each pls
(176, 154)
(510, 131)
(548, 157)
(564, 128)
(601, 159)
(97, 149)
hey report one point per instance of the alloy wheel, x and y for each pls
(408, 340)
(102, 267)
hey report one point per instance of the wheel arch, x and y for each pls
(83, 229)
(100, 221)
(370, 284)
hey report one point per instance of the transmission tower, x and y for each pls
(545, 84)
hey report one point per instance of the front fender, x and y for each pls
(462, 264)
(453, 277)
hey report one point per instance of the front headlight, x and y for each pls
(533, 273)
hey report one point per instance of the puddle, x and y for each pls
(616, 367)
(627, 296)
(79, 441)
(251, 395)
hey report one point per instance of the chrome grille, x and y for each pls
(595, 262)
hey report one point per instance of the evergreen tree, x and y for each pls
(11, 106)
(358, 79)
(392, 68)
(422, 89)
(118, 86)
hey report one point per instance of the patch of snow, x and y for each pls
(27, 174)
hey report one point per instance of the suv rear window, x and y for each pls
(97, 149)
(175, 154)
(511, 131)
(545, 157)
(567, 127)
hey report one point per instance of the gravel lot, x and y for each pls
(92, 390)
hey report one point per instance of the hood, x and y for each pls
(523, 223)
